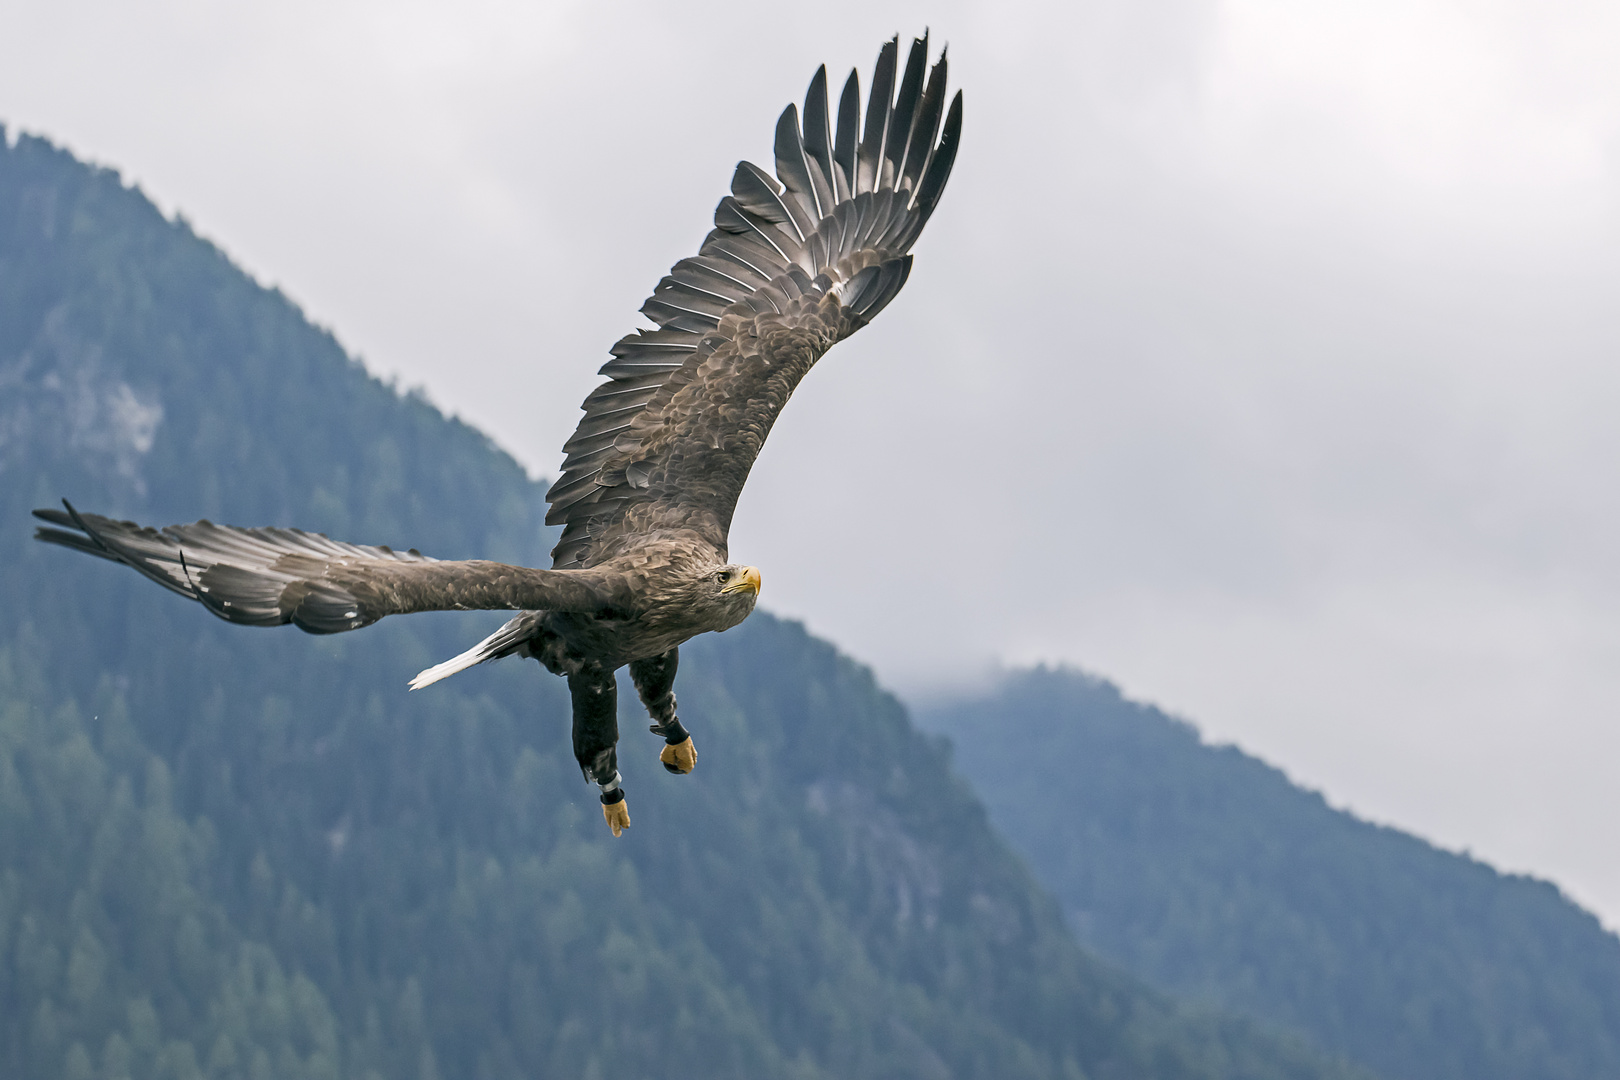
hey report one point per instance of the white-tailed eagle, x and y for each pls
(794, 265)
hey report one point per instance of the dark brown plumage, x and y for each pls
(652, 474)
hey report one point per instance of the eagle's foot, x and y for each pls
(614, 810)
(617, 815)
(679, 757)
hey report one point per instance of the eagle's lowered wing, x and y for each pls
(271, 577)
(790, 268)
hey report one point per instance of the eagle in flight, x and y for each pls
(793, 265)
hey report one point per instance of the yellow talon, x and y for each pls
(680, 758)
(617, 816)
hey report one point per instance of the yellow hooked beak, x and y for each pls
(748, 579)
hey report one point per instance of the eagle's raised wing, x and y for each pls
(271, 577)
(790, 268)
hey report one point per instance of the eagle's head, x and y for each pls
(733, 591)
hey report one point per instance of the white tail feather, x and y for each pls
(473, 656)
(503, 642)
(429, 676)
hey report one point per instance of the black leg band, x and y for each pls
(673, 732)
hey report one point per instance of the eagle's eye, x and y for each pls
(720, 578)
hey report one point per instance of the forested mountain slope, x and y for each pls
(229, 852)
(1208, 872)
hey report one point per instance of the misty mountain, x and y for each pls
(1209, 873)
(228, 852)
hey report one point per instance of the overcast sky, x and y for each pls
(1263, 357)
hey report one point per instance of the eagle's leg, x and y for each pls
(596, 733)
(655, 681)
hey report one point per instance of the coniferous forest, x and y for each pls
(228, 852)
(1207, 872)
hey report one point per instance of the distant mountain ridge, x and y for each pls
(1207, 872)
(227, 852)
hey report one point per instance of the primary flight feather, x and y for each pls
(795, 263)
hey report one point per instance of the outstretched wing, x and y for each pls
(793, 265)
(271, 577)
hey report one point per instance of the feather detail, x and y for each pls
(925, 129)
(905, 111)
(793, 170)
(879, 107)
(818, 146)
(849, 133)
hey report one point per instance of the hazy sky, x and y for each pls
(1263, 357)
